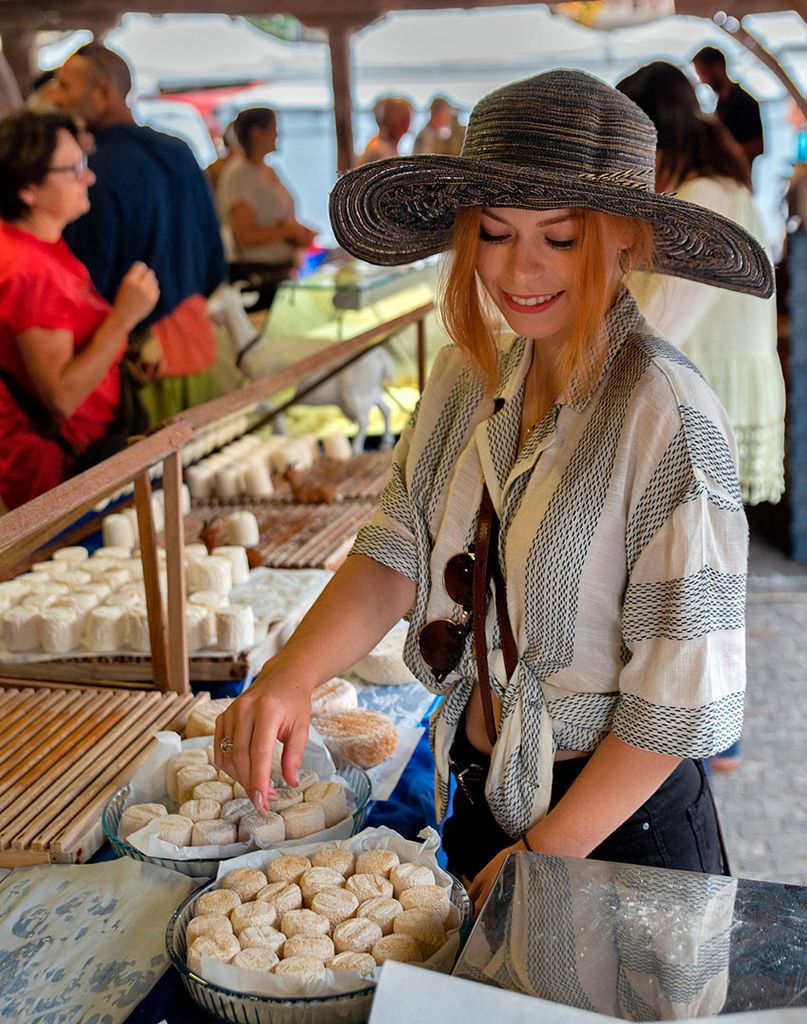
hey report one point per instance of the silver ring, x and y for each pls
(225, 744)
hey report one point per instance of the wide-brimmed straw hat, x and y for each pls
(557, 140)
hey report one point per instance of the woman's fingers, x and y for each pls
(247, 733)
(483, 882)
(479, 891)
(243, 727)
(223, 744)
(258, 773)
(293, 750)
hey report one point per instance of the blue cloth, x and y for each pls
(168, 1001)
(411, 805)
(730, 752)
(151, 202)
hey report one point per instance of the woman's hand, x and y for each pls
(356, 609)
(137, 295)
(276, 707)
(482, 884)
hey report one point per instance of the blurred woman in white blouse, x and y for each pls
(257, 210)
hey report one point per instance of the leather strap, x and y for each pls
(480, 596)
(486, 567)
(509, 649)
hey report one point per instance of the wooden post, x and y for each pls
(753, 45)
(151, 579)
(339, 43)
(10, 95)
(19, 50)
(177, 646)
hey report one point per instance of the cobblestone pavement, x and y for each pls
(763, 804)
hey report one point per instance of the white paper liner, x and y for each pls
(337, 982)
(148, 786)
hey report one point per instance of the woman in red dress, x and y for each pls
(61, 343)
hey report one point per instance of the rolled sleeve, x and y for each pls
(683, 630)
(390, 537)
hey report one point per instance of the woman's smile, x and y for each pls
(530, 304)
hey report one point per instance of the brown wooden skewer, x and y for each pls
(116, 775)
(70, 723)
(33, 742)
(19, 812)
(80, 780)
(14, 716)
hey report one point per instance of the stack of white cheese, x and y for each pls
(244, 466)
(98, 603)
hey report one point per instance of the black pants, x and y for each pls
(676, 828)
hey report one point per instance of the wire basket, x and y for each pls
(356, 778)
(243, 1008)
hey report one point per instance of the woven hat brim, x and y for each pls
(402, 209)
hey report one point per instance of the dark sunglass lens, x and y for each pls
(459, 579)
(441, 643)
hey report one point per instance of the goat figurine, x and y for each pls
(356, 389)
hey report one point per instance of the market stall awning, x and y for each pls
(20, 19)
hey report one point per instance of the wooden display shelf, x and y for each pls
(319, 536)
(135, 671)
(63, 752)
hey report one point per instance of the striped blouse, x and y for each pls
(623, 545)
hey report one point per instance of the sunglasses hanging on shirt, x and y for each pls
(467, 579)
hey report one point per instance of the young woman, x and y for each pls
(590, 468)
(731, 338)
(60, 342)
(257, 209)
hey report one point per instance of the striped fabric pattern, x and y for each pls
(623, 546)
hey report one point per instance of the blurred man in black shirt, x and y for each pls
(736, 108)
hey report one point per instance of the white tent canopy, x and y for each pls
(503, 37)
(461, 53)
(177, 51)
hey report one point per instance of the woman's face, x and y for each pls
(527, 263)
(264, 140)
(62, 196)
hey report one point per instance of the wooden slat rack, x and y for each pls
(360, 478)
(63, 752)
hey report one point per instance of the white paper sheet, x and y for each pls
(82, 942)
(148, 786)
(405, 994)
